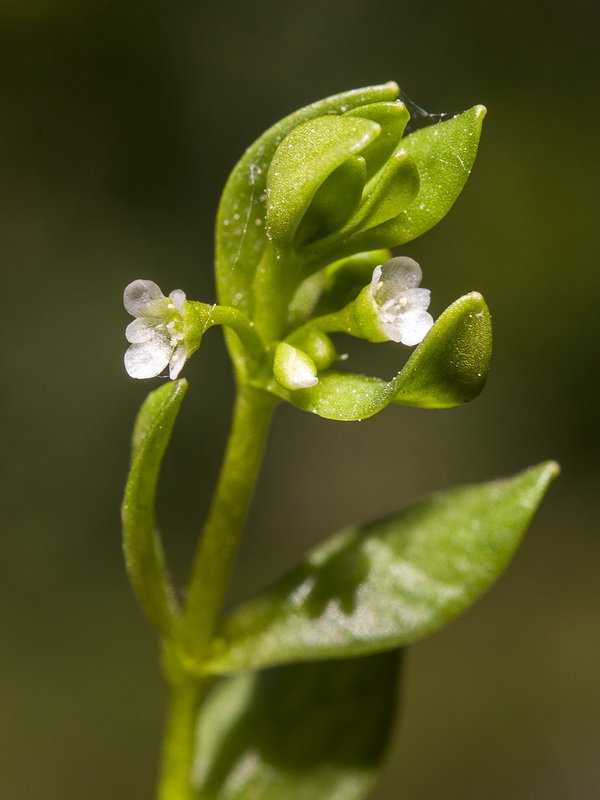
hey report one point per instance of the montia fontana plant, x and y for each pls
(290, 695)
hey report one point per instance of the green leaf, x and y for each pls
(386, 584)
(334, 201)
(340, 395)
(451, 366)
(447, 369)
(386, 196)
(144, 556)
(396, 187)
(312, 731)
(302, 162)
(392, 118)
(241, 237)
(444, 155)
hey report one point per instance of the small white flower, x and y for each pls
(401, 306)
(157, 334)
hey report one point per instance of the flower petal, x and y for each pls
(417, 299)
(394, 277)
(140, 296)
(414, 327)
(178, 298)
(178, 359)
(148, 359)
(142, 330)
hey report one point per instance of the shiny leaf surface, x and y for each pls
(392, 118)
(388, 583)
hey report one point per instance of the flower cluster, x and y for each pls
(391, 307)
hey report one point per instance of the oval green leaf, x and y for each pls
(144, 557)
(451, 365)
(240, 232)
(303, 161)
(386, 584)
(299, 732)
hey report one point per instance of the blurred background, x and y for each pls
(120, 122)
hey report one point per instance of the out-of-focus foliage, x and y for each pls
(300, 731)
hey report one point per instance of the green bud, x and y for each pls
(293, 369)
(319, 347)
(347, 175)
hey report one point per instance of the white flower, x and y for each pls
(401, 307)
(157, 334)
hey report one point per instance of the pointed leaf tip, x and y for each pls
(444, 154)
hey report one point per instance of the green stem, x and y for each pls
(208, 316)
(178, 752)
(208, 586)
(276, 279)
(215, 557)
(342, 321)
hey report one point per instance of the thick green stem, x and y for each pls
(223, 529)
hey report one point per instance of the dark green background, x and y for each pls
(119, 123)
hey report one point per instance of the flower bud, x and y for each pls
(319, 347)
(293, 369)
